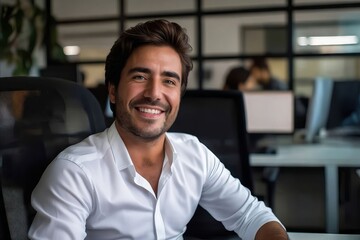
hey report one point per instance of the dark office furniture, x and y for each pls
(217, 118)
(101, 94)
(69, 71)
(39, 118)
(344, 101)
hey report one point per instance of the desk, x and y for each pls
(322, 236)
(307, 236)
(330, 156)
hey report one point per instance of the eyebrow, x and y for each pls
(148, 71)
(139, 69)
(171, 74)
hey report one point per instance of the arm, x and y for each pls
(271, 230)
(62, 200)
(228, 201)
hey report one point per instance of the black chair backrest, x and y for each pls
(39, 117)
(344, 100)
(218, 119)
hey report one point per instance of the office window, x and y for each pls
(231, 31)
(92, 74)
(193, 80)
(215, 71)
(231, 4)
(225, 34)
(158, 6)
(337, 68)
(312, 2)
(268, 39)
(330, 31)
(93, 40)
(68, 9)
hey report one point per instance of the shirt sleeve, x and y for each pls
(62, 200)
(228, 201)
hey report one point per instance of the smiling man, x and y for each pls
(135, 180)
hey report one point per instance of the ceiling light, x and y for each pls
(327, 40)
(71, 50)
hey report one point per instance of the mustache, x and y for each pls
(151, 102)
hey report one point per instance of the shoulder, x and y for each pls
(183, 140)
(277, 84)
(188, 146)
(91, 149)
(181, 137)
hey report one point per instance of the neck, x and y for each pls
(146, 155)
(143, 151)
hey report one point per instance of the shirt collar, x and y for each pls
(170, 151)
(118, 148)
(121, 154)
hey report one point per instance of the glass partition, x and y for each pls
(231, 4)
(336, 68)
(93, 41)
(233, 34)
(69, 9)
(159, 6)
(215, 71)
(327, 31)
(312, 2)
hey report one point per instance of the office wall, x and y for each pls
(222, 35)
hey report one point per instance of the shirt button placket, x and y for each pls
(159, 223)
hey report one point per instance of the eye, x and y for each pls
(139, 77)
(170, 82)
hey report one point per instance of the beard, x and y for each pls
(148, 131)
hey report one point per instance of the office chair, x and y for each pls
(39, 117)
(345, 100)
(217, 118)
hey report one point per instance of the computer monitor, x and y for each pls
(344, 102)
(269, 112)
(318, 110)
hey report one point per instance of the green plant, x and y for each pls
(12, 28)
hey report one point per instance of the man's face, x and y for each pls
(148, 96)
(262, 75)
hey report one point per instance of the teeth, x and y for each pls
(149, 110)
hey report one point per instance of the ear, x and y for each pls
(111, 91)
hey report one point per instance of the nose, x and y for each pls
(153, 89)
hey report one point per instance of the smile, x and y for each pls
(150, 110)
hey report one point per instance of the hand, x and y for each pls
(271, 231)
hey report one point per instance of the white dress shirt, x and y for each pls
(92, 191)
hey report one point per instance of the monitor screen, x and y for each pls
(318, 109)
(269, 112)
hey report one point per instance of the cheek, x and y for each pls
(174, 101)
(127, 92)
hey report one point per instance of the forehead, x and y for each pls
(150, 54)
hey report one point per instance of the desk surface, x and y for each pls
(310, 155)
(322, 236)
(330, 155)
(314, 236)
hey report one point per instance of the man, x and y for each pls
(239, 78)
(260, 70)
(134, 180)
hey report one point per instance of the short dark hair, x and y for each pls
(236, 76)
(155, 32)
(260, 63)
